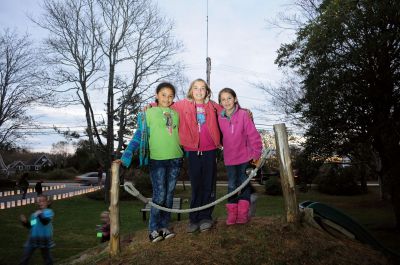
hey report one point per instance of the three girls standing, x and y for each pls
(195, 119)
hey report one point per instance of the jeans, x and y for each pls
(164, 174)
(236, 176)
(202, 172)
(28, 251)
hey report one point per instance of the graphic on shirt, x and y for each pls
(201, 117)
(168, 123)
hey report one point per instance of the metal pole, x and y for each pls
(208, 59)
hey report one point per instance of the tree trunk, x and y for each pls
(363, 178)
(110, 129)
(395, 195)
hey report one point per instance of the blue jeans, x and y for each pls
(164, 174)
(236, 176)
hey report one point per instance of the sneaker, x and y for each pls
(167, 234)
(205, 225)
(155, 236)
(192, 228)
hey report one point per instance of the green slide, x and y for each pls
(347, 224)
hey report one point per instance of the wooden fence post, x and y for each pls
(286, 172)
(114, 210)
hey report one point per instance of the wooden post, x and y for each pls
(286, 172)
(114, 210)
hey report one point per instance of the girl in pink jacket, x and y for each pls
(199, 135)
(242, 144)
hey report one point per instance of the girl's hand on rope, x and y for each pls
(255, 162)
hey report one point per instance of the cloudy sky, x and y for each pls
(241, 45)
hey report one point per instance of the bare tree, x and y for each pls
(285, 96)
(19, 86)
(60, 152)
(72, 52)
(151, 53)
(124, 44)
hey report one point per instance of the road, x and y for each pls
(55, 190)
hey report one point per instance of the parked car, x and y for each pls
(90, 178)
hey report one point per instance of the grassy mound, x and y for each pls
(264, 240)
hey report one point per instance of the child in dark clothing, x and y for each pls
(41, 232)
(39, 188)
(103, 230)
(24, 184)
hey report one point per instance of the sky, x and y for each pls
(241, 45)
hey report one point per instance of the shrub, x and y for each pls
(273, 186)
(55, 174)
(142, 181)
(7, 183)
(307, 169)
(336, 180)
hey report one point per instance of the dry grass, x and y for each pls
(265, 240)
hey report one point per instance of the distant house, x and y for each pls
(3, 168)
(37, 164)
(16, 166)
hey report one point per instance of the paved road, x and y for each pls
(63, 188)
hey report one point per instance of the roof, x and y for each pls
(2, 164)
(15, 163)
(39, 161)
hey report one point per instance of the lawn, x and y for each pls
(76, 219)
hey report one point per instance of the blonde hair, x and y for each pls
(190, 92)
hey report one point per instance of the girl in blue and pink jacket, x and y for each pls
(242, 144)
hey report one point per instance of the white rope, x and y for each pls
(130, 188)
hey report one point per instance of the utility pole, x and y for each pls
(208, 59)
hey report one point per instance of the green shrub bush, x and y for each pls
(55, 174)
(307, 169)
(336, 180)
(7, 184)
(142, 182)
(273, 186)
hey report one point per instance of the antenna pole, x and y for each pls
(208, 59)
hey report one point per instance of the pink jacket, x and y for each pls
(188, 128)
(241, 140)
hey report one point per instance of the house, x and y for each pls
(16, 166)
(37, 164)
(34, 164)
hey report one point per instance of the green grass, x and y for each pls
(74, 227)
(76, 219)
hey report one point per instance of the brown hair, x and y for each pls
(190, 94)
(165, 85)
(229, 91)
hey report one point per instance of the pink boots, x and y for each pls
(232, 209)
(243, 212)
(238, 213)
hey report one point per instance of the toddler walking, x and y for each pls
(41, 232)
